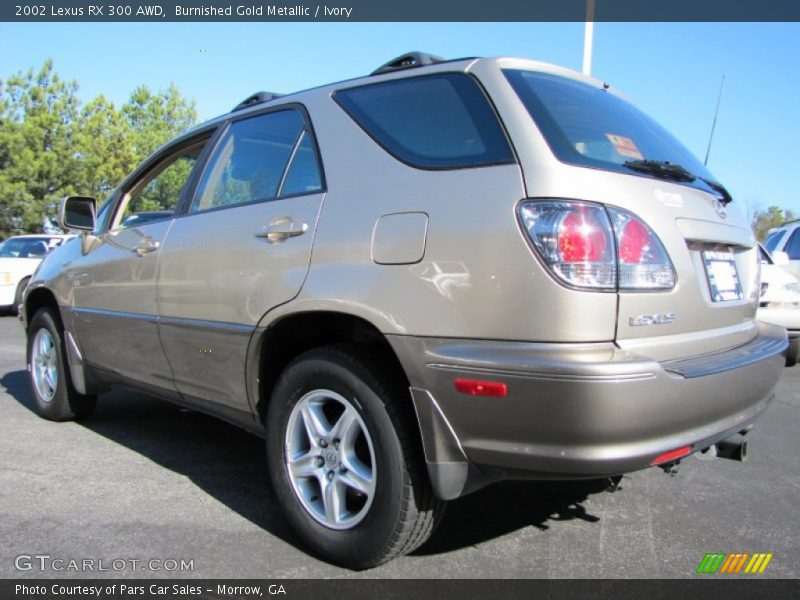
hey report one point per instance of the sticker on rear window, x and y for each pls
(625, 146)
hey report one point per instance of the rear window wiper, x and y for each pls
(667, 170)
(661, 168)
(726, 198)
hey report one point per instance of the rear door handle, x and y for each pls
(146, 246)
(281, 229)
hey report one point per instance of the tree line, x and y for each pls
(53, 145)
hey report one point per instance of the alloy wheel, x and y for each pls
(330, 459)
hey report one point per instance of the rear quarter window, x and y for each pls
(441, 121)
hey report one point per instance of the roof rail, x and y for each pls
(256, 98)
(786, 223)
(409, 60)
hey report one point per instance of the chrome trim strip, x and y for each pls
(173, 321)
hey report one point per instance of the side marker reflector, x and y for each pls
(476, 387)
(672, 455)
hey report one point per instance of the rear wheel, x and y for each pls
(345, 458)
(54, 396)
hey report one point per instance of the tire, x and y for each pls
(54, 396)
(18, 295)
(392, 510)
(792, 352)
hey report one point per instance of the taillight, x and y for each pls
(592, 246)
(643, 261)
(581, 238)
(575, 239)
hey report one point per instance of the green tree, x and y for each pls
(104, 149)
(52, 146)
(155, 118)
(764, 220)
(38, 164)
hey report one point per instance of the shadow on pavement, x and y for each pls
(229, 464)
(222, 460)
(506, 507)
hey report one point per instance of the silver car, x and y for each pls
(413, 284)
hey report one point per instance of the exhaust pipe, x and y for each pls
(734, 448)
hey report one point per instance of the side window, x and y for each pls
(303, 176)
(430, 122)
(37, 249)
(156, 195)
(772, 240)
(251, 159)
(793, 245)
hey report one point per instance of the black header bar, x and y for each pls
(405, 10)
(700, 587)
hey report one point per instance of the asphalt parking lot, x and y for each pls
(141, 479)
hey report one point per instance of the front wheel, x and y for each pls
(345, 459)
(54, 396)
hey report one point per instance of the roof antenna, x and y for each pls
(714, 123)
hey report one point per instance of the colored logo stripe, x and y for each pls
(711, 562)
(720, 562)
(734, 562)
(758, 563)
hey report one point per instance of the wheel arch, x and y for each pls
(80, 375)
(38, 298)
(273, 347)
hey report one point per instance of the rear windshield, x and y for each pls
(591, 127)
(439, 121)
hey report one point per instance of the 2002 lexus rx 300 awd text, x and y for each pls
(412, 284)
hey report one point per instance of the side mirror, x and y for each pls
(780, 258)
(77, 212)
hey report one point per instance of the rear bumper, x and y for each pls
(578, 410)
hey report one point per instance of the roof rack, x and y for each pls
(409, 60)
(786, 223)
(256, 98)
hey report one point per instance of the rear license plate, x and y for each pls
(723, 279)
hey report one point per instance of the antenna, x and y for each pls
(714, 123)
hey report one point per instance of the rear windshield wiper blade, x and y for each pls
(661, 168)
(718, 187)
(667, 170)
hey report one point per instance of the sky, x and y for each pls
(672, 71)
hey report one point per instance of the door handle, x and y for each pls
(146, 246)
(281, 229)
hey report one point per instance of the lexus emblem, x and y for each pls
(720, 208)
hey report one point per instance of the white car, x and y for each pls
(19, 257)
(780, 300)
(786, 240)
